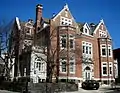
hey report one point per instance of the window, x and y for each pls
(102, 34)
(110, 68)
(63, 41)
(39, 64)
(109, 51)
(83, 49)
(72, 65)
(29, 31)
(90, 49)
(87, 48)
(103, 50)
(65, 21)
(104, 68)
(85, 30)
(71, 43)
(63, 65)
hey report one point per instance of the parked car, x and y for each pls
(90, 84)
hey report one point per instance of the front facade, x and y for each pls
(77, 51)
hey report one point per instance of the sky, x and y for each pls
(82, 11)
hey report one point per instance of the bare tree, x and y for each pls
(5, 55)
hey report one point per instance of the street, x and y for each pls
(102, 89)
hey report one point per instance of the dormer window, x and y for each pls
(29, 31)
(85, 30)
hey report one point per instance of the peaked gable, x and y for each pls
(86, 29)
(66, 15)
(101, 29)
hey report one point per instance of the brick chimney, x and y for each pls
(38, 16)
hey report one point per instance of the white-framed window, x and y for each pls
(106, 50)
(103, 50)
(39, 64)
(109, 50)
(102, 34)
(63, 65)
(65, 21)
(86, 31)
(63, 41)
(110, 68)
(87, 48)
(71, 41)
(72, 65)
(104, 69)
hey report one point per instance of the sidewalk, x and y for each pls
(109, 87)
(5, 91)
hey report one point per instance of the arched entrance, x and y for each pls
(87, 72)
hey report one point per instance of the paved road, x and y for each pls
(102, 89)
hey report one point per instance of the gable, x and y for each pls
(101, 30)
(64, 17)
(86, 29)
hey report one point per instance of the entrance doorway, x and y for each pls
(87, 73)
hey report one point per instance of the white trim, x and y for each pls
(89, 44)
(61, 65)
(74, 66)
(18, 23)
(111, 65)
(106, 65)
(104, 79)
(101, 47)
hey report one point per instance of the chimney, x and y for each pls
(38, 16)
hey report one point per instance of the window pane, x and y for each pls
(89, 50)
(110, 70)
(83, 49)
(63, 66)
(109, 52)
(103, 51)
(104, 70)
(71, 67)
(64, 43)
(71, 43)
(86, 49)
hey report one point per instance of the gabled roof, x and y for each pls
(97, 27)
(65, 7)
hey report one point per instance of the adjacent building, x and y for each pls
(75, 51)
(116, 55)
